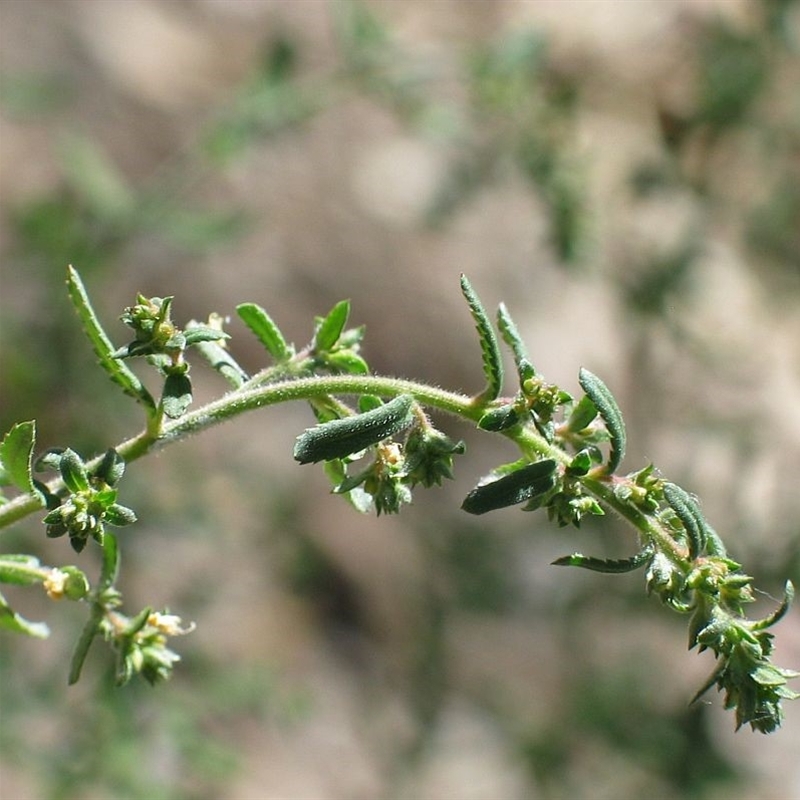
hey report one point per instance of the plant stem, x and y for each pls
(237, 402)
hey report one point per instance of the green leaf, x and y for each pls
(177, 395)
(608, 565)
(73, 471)
(492, 361)
(369, 402)
(11, 621)
(608, 409)
(581, 463)
(351, 338)
(119, 516)
(331, 327)
(111, 558)
(511, 336)
(202, 333)
(103, 348)
(347, 361)
(90, 630)
(357, 497)
(780, 611)
(16, 452)
(690, 516)
(582, 415)
(111, 468)
(499, 419)
(265, 330)
(223, 362)
(22, 570)
(512, 489)
(343, 437)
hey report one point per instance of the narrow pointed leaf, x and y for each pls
(780, 611)
(111, 559)
(512, 489)
(492, 361)
(103, 348)
(265, 329)
(331, 327)
(16, 452)
(608, 409)
(90, 630)
(689, 514)
(343, 437)
(608, 565)
(511, 336)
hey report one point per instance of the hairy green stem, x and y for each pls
(235, 403)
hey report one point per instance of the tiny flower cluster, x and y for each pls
(141, 644)
(92, 500)
(163, 343)
(69, 582)
(425, 457)
(714, 593)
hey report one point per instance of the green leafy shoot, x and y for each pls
(116, 369)
(608, 409)
(392, 446)
(265, 330)
(492, 361)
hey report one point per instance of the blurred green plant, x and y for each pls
(376, 451)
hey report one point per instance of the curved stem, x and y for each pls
(238, 402)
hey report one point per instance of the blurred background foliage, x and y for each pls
(623, 175)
